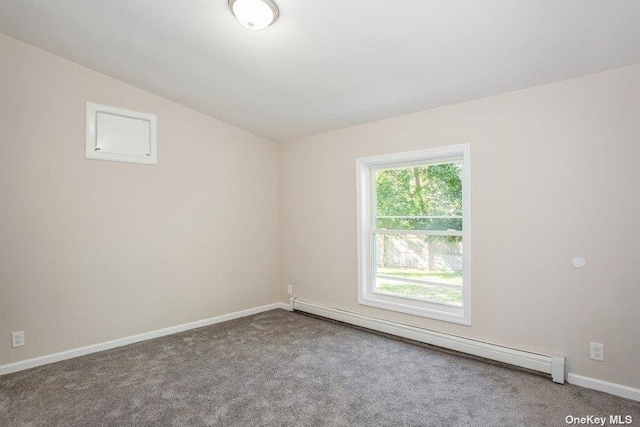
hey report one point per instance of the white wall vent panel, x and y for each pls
(120, 135)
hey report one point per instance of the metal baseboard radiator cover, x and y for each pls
(547, 364)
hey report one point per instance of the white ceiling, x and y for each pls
(327, 64)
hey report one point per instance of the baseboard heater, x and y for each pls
(552, 365)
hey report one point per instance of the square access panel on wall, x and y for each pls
(120, 135)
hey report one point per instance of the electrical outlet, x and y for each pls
(17, 339)
(596, 351)
(290, 289)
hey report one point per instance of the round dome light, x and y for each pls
(254, 14)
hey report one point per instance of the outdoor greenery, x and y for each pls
(433, 190)
(429, 293)
(415, 198)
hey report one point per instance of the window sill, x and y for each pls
(419, 308)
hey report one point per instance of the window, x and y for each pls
(413, 232)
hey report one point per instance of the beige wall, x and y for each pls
(555, 174)
(91, 250)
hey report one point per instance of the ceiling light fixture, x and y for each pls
(255, 14)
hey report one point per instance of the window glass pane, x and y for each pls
(404, 261)
(429, 293)
(425, 197)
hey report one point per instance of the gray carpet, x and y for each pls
(287, 369)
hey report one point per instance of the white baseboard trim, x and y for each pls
(605, 386)
(554, 365)
(285, 306)
(69, 354)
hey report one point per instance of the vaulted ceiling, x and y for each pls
(327, 64)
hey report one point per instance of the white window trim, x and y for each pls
(366, 196)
